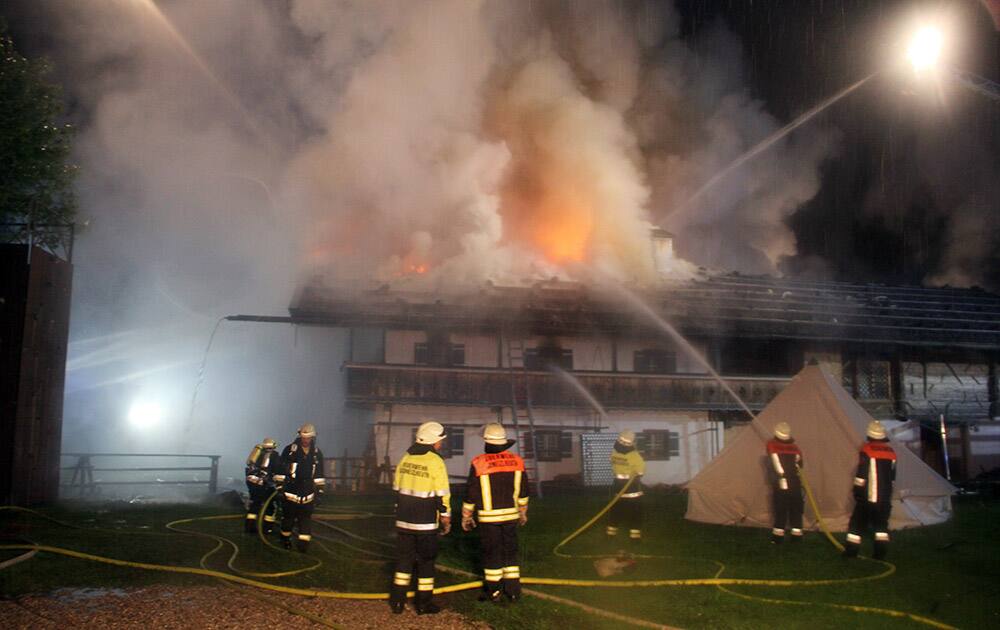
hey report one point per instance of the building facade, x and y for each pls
(519, 355)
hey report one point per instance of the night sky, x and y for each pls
(913, 180)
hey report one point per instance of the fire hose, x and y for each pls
(716, 580)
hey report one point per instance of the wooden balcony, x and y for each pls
(378, 383)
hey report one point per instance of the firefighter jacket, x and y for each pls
(876, 472)
(497, 486)
(422, 490)
(301, 472)
(261, 466)
(626, 463)
(784, 458)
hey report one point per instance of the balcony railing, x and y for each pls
(491, 386)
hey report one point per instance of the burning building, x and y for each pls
(519, 355)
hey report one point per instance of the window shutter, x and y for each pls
(565, 445)
(674, 445)
(526, 445)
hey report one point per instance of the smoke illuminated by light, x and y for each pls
(144, 414)
(924, 50)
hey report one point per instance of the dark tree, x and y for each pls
(37, 199)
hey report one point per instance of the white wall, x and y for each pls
(696, 444)
(480, 350)
(399, 345)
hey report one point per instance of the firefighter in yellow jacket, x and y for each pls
(423, 506)
(498, 490)
(626, 464)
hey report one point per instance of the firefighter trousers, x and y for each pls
(501, 570)
(300, 514)
(867, 515)
(415, 553)
(258, 495)
(627, 513)
(788, 507)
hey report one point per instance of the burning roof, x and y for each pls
(755, 307)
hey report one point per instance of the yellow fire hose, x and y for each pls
(716, 581)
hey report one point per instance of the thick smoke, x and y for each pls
(232, 148)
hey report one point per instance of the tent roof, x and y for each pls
(829, 426)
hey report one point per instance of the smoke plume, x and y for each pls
(233, 148)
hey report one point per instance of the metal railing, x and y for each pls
(83, 472)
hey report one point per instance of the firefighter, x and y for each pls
(785, 460)
(300, 481)
(626, 464)
(872, 492)
(260, 468)
(423, 507)
(498, 490)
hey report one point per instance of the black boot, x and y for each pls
(250, 526)
(397, 607)
(286, 542)
(881, 549)
(424, 605)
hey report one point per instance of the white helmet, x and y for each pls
(626, 438)
(494, 433)
(430, 433)
(783, 431)
(875, 430)
(307, 431)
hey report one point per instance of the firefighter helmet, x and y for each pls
(875, 430)
(268, 443)
(430, 433)
(494, 433)
(783, 431)
(627, 438)
(307, 431)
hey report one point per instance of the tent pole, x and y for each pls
(944, 449)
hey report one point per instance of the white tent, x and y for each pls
(829, 427)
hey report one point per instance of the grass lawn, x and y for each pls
(949, 572)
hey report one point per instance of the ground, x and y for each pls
(946, 573)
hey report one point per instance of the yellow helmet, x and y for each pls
(783, 431)
(307, 431)
(494, 433)
(627, 438)
(268, 443)
(875, 430)
(430, 433)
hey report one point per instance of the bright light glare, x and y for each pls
(924, 50)
(144, 414)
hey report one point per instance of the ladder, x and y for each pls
(520, 406)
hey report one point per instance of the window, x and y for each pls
(457, 354)
(422, 354)
(872, 380)
(454, 441)
(658, 445)
(553, 446)
(542, 357)
(654, 361)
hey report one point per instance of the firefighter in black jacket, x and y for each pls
(497, 489)
(261, 464)
(785, 460)
(872, 492)
(423, 506)
(300, 480)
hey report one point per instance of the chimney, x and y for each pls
(662, 242)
